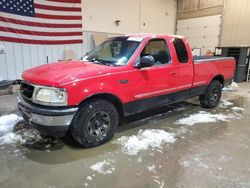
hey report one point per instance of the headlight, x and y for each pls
(54, 96)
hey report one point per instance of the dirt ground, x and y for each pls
(214, 154)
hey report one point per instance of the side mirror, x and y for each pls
(146, 61)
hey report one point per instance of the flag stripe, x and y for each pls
(35, 37)
(57, 8)
(40, 20)
(66, 1)
(58, 4)
(37, 24)
(28, 41)
(34, 28)
(58, 17)
(39, 33)
(56, 12)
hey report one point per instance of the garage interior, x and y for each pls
(205, 147)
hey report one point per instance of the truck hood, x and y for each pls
(60, 73)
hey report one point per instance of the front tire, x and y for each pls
(95, 123)
(212, 96)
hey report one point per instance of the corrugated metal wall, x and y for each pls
(210, 3)
(18, 57)
(187, 5)
(198, 8)
(236, 23)
(191, 5)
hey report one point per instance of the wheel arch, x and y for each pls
(108, 97)
(219, 78)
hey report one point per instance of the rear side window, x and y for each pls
(181, 50)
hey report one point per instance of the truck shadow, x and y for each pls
(165, 112)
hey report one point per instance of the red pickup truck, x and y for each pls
(124, 75)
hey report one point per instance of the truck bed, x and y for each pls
(209, 58)
(206, 67)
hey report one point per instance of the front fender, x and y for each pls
(80, 91)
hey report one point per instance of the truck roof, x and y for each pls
(152, 35)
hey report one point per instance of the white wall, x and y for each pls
(159, 16)
(203, 32)
(101, 15)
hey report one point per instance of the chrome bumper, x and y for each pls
(50, 120)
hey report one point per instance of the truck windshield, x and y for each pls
(115, 51)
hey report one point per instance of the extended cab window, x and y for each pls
(181, 50)
(159, 50)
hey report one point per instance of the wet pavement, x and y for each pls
(214, 154)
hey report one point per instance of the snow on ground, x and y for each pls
(144, 140)
(237, 109)
(31, 136)
(225, 104)
(182, 108)
(7, 123)
(233, 87)
(184, 163)
(206, 117)
(89, 178)
(151, 168)
(103, 167)
(23, 136)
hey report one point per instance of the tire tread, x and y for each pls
(85, 109)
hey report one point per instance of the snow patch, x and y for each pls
(237, 109)
(32, 136)
(225, 104)
(181, 131)
(233, 87)
(144, 140)
(182, 108)
(185, 163)
(7, 123)
(139, 160)
(21, 136)
(103, 167)
(205, 117)
(89, 178)
(9, 138)
(151, 168)
(157, 182)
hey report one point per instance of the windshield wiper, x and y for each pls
(97, 61)
(90, 59)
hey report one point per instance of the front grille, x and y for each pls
(26, 90)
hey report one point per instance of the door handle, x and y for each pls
(172, 73)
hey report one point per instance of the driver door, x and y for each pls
(151, 85)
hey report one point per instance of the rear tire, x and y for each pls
(212, 96)
(95, 123)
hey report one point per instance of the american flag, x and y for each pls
(41, 21)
